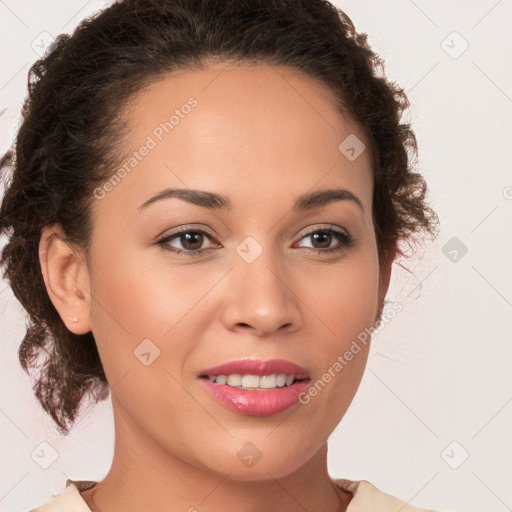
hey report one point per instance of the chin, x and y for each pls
(255, 462)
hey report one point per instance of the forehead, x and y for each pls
(244, 131)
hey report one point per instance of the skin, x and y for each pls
(262, 136)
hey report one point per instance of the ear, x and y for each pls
(385, 276)
(66, 277)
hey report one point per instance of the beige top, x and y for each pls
(366, 498)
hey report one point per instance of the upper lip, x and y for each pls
(258, 367)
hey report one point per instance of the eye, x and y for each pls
(324, 238)
(192, 241)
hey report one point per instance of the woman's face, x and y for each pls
(260, 284)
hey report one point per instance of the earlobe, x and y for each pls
(66, 278)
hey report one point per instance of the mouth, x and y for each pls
(256, 388)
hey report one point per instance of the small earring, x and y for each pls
(73, 319)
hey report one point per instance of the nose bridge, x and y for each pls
(260, 295)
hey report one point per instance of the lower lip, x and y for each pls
(256, 402)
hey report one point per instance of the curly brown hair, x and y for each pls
(72, 135)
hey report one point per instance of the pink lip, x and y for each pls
(256, 402)
(258, 367)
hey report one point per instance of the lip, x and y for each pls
(257, 402)
(258, 367)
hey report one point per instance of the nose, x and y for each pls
(259, 297)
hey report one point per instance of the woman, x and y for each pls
(206, 202)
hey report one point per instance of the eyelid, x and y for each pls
(188, 227)
(325, 227)
(185, 227)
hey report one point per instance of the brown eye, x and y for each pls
(323, 238)
(191, 241)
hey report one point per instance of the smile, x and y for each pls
(254, 381)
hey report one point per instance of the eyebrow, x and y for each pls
(214, 201)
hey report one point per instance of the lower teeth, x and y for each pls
(259, 389)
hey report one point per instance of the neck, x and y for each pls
(146, 476)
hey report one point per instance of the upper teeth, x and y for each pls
(254, 381)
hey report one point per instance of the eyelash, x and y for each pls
(345, 238)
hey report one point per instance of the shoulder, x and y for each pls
(69, 500)
(368, 498)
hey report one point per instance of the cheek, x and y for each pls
(141, 294)
(344, 301)
(343, 297)
(136, 299)
(137, 315)
(347, 306)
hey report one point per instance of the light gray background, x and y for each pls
(440, 371)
